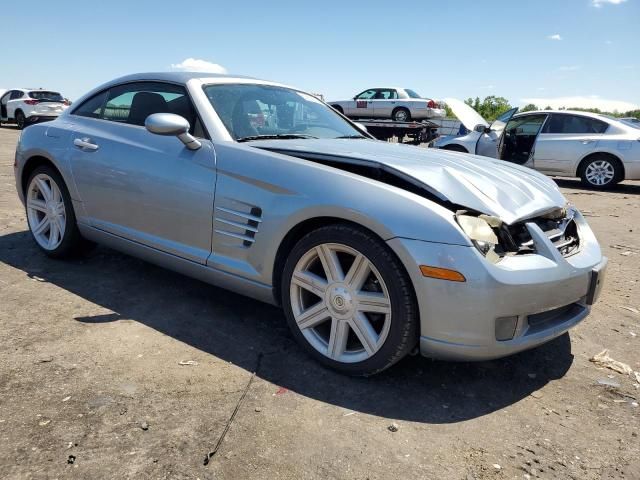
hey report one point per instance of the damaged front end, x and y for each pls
(495, 239)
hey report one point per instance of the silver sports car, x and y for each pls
(399, 104)
(599, 149)
(370, 248)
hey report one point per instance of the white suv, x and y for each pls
(23, 106)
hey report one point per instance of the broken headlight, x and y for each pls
(481, 234)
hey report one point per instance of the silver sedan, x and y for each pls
(370, 248)
(399, 104)
(599, 149)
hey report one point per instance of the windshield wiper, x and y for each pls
(279, 136)
(351, 136)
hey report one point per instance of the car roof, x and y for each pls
(178, 77)
(598, 116)
(31, 89)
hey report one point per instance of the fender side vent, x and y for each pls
(237, 224)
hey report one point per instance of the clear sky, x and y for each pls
(543, 49)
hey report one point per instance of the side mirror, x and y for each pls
(170, 125)
(361, 127)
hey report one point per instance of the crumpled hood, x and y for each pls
(493, 187)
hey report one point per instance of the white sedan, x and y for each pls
(601, 150)
(399, 104)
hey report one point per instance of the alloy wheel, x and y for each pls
(46, 212)
(600, 172)
(340, 302)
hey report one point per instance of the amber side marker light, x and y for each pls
(442, 273)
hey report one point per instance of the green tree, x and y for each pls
(491, 107)
(529, 108)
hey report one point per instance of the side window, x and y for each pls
(386, 94)
(366, 95)
(92, 107)
(560, 123)
(16, 94)
(525, 126)
(132, 103)
(5, 98)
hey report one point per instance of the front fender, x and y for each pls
(288, 191)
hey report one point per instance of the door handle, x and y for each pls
(587, 142)
(85, 144)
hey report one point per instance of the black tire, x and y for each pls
(601, 160)
(72, 242)
(21, 121)
(401, 112)
(455, 148)
(338, 108)
(403, 332)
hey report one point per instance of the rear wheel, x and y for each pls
(338, 108)
(20, 120)
(50, 214)
(401, 115)
(601, 172)
(348, 300)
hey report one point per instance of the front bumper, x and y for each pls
(545, 292)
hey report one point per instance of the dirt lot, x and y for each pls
(92, 385)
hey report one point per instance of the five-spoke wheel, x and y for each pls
(50, 214)
(45, 211)
(348, 300)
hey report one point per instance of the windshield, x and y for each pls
(411, 93)
(251, 111)
(46, 96)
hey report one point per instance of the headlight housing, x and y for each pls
(481, 234)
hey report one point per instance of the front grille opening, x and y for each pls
(562, 232)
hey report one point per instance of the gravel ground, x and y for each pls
(93, 382)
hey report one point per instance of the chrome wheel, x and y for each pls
(340, 303)
(401, 115)
(600, 172)
(46, 213)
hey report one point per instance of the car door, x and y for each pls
(363, 104)
(144, 187)
(384, 101)
(565, 140)
(3, 105)
(13, 103)
(518, 141)
(488, 142)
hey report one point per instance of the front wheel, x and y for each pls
(348, 300)
(601, 172)
(50, 214)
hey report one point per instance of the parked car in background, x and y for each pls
(633, 121)
(599, 149)
(24, 106)
(371, 248)
(399, 104)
